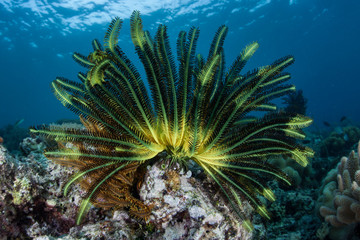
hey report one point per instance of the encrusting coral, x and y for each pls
(197, 113)
(346, 198)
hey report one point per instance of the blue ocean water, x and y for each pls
(38, 38)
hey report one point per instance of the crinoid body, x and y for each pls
(197, 111)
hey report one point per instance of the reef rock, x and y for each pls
(182, 208)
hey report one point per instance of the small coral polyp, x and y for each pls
(196, 111)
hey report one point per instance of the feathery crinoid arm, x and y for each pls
(170, 82)
(144, 46)
(186, 47)
(127, 80)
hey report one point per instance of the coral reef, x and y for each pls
(292, 214)
(340, 196)
(32, 204)
(30, 194)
